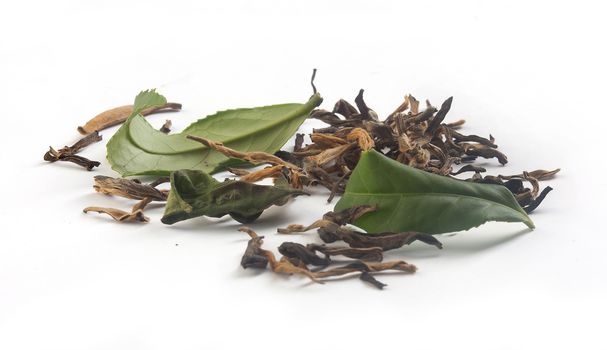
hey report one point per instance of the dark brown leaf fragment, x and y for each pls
(304, 254)
(166, 127)
(68, 153)
(367, 277)
(254, 255)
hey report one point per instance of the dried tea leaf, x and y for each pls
(146, 103)
(409, 199)
(367, 277)
(68, 154)
(138, 149)
(361, 266)
(254, 157)
(127, 188)
(257, 257)
(366, 254)
(166, 127)
(254, 256)
(136, 214)
(303, 254)
(195, 193)
(332, 228)
(297, 256)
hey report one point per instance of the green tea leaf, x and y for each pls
(147, 99)
(410, 199)
(139, 149)
(195, 193)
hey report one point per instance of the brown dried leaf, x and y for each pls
(362, 138)
(255, 256)
(136, 214)
(68, 154)
(127, 188)
(118, 115)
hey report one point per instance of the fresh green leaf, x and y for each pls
(147, 99)
(195, 193)
(410, 199)
(139, 149)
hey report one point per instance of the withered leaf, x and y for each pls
(331, 228)
(297, 256)
(68, 153)
(303, 253)
(127, 188)
(120, 114)
(136, 214)
(257, 257)
(195, 193)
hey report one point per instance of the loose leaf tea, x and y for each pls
(195, 193)
(149, 103)
(68, 154)
(138, 149)
(403, 178)
(420, 139)
(332, 228)
(128, 188)
(131, 189)
(297, 257)
(410, 199)
(257, 257)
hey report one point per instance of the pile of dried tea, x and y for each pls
(399, 178)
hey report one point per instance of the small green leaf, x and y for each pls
(195, 193)
(139, 149)
(410, 199)
(147, 99)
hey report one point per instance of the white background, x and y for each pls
(532, 74)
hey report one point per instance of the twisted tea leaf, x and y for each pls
(195, 193)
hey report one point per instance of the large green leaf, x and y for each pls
(139, 149)
(195, 193)
(409, 199)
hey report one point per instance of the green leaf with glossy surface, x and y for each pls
(139, 149)
(410, 199)
(195, 193)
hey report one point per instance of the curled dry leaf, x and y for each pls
(332, 228)
(68, 154)
(120, 114)
(361, 266)
(166, 127)
(127, 188)
(257, 257)
(280, 168)
(366, 254)
(303, 254)
(296, 257)
(255, 157)
(136, 214)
